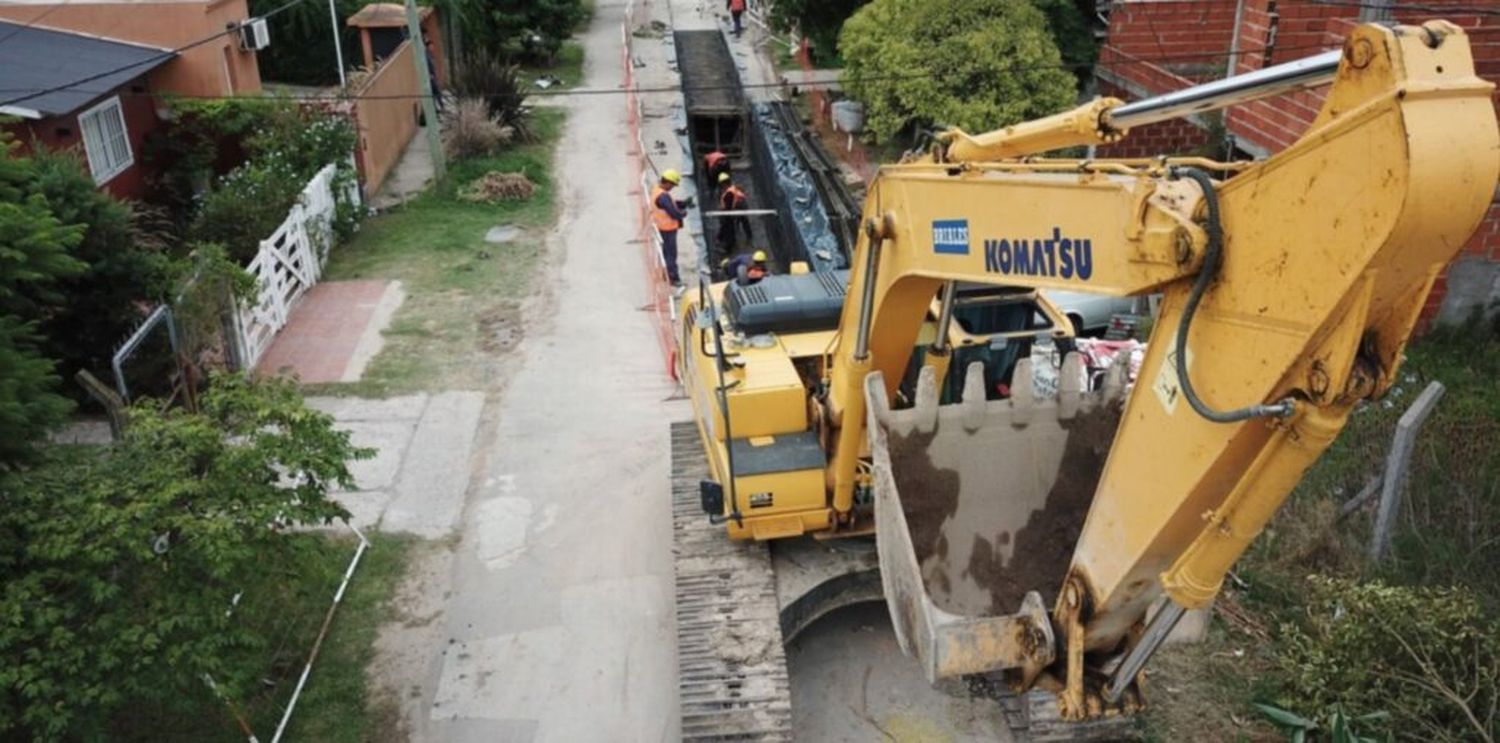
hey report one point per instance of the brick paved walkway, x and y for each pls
(333, 332)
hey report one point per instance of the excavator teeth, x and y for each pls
(731, 669)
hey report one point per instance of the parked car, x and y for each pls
(1091, 313)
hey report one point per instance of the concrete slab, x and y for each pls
(348, 409)
(82, 432)
(365, 507)
(410, 176)
(430, 489)
(325, 331)
(389, 439)
(587, 656)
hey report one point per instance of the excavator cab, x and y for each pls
(993, 326)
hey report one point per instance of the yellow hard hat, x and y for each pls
(723, 177)
(671, 176)
(758, 256)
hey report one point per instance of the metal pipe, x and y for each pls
(1156, 632)
(945, 316)
(1231, 91)
(333, 606)
(867, 294)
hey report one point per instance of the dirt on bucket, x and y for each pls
(1042, 548)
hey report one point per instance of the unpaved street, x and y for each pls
(556, 624)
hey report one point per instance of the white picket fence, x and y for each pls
(290, 261)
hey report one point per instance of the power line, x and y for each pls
(581, 92)
(149, 60)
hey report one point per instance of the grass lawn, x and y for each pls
(568, 67)
(289, 604)
(460, 290)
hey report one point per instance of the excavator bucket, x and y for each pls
(978, 506)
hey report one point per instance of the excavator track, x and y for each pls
(732, 676)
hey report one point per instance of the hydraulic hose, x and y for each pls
(1213, 258)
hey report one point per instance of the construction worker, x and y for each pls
(747, 269)
(736, 9)
(667, 212)
(717, 164)
(731, 199)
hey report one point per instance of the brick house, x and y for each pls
(106, 119)
(1157, 46)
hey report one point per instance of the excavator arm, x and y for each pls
(1289, 293)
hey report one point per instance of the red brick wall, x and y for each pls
(1187, 37)
(1155, 46)
(63, 133)
(1299, 28)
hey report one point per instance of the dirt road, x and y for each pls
(557, 625)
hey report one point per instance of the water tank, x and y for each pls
(849, 116)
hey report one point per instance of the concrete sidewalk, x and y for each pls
(416, 482)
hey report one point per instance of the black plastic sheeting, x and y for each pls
(787, 185)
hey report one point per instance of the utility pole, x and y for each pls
(338, 45)
(429, 101)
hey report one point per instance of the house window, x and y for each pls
(105, 140)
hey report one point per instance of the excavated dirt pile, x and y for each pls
(495, 186)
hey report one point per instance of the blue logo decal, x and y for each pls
(950, 236)
(1054, 256)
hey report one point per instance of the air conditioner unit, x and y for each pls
(255, 35)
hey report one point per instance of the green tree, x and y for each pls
(818, 20)
(1073, 34)
(532, 29)
(974, 64)
(118, 567)
(34, 257)
(124, 272)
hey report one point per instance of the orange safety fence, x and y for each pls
(660, 302)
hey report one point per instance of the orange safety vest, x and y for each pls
(735, 5)
(732, 198)
(713, 159)
(755, 273)
(664, 222)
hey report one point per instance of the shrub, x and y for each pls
(119, 565)
(531, 29)
(469, 131)
(289, 145)
(1428, 656)
(498, 83)
(128, 267)
(247, 206)
(974, 64)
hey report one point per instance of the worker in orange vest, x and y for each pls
(747, 269)
(732, 199)
(736, 9)
(668, 214)
(716, 163)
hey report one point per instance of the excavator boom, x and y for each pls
(1289, 293)
(1028, 533)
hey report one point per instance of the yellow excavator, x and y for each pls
(1055, 541)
